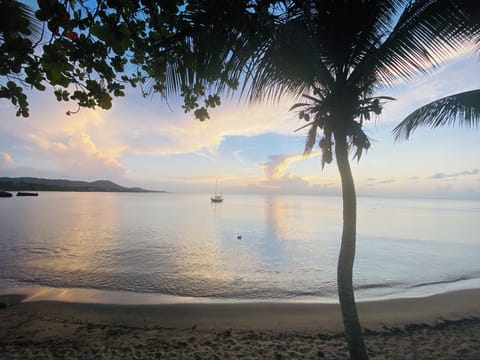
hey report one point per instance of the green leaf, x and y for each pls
(105, 101)
(201, 114)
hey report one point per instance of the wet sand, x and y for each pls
(445, 326)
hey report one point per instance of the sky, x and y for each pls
(248, 148)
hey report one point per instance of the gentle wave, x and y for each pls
(447, 281)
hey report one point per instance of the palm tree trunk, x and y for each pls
(351, 323)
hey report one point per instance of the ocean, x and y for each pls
(182, 247)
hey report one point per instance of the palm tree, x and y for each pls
(335, 54)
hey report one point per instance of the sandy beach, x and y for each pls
(445, 326)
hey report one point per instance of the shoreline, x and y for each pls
(261, 315)
(123, 297)
(444, 326)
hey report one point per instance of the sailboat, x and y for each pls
(217, 198)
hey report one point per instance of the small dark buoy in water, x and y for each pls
(239, 237)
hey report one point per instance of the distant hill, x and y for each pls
(38, 184)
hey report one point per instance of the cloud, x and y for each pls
(6, 161)
(441, 175)
(77, 146)
(77, 154)
(278, 180)
(371, 182)
(380, 182)
(237, 154)
(153, 129)
(277, 164)
(97, 143)
(283, 184)
(291, 184)
(387, 181)
(100, 143)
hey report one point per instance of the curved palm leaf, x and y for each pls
(17, 18)
(462, 109)
(426, 33)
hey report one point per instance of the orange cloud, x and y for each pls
(169, 132)
(277, 164)
(77, 154)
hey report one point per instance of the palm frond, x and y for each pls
(304, 126)
(364, 25)
(16, 17)
(297, 105)
(426, 33)
(462, 109)
(312, 98)
(285, 65)
(389, 98)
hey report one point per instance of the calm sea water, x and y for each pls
(249, 247)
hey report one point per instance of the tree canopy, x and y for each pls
(89, 51)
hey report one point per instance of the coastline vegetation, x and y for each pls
(38, 184)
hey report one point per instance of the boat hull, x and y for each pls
(22, 193)
(5, 194)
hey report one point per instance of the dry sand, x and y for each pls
(445, 326)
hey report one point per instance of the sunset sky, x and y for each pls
(248, 148)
